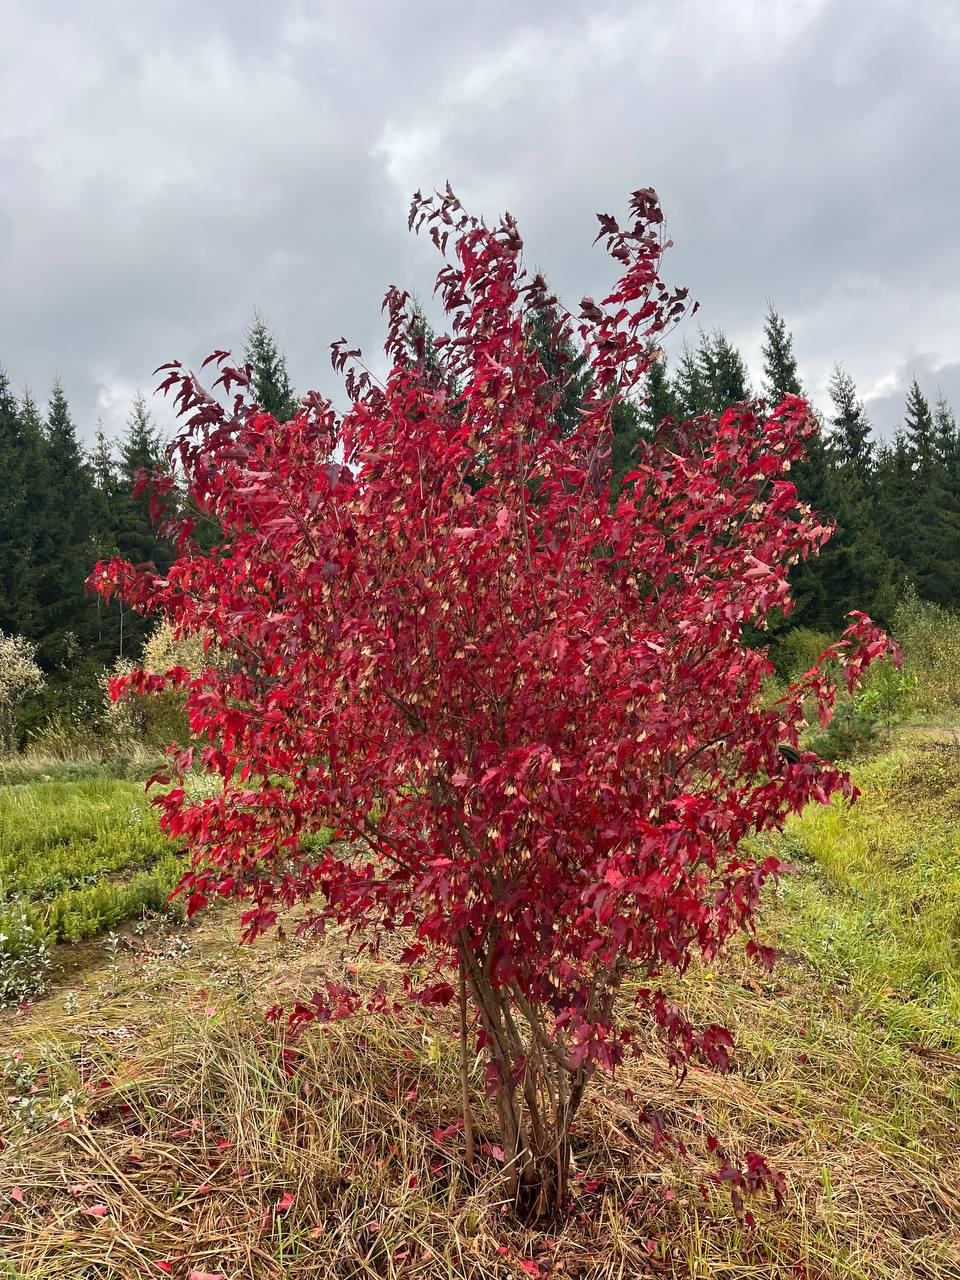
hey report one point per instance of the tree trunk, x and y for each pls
(537, 1096)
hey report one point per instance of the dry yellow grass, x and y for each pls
(163, 1102)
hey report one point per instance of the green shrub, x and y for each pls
(796, 651)
(24, 954)
(56, 835)
(81, 857)
(850, 735)
(77, 914)
(888, 694)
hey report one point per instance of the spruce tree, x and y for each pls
(660, 402)
(563, 362)
(918, 429)
(270, 383)
(723, 371)
(16, 587)
(68, 561)
(629, 426)
(780, 376)
(40, 519)
(133, 532)
(946, 440)
(689, 390)
(895, 487)
(850, 429)
(106, 489)
(932, 513)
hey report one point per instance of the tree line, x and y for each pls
(896, 503)
(64, 506)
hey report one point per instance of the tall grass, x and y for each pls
(930, 636)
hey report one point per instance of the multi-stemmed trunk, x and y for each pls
(538, 1092)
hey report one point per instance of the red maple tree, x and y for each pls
(528, 709)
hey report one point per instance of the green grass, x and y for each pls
(876, 905)
(79, 857)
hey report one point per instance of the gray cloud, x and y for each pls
(165, 167)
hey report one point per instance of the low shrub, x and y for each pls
(78, 914)
(850, 735)
(24, 954)
(796, 652)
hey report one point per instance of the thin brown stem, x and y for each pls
(464, 1074)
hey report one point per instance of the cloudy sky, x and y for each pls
(167, 166)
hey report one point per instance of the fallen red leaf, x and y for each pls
(95, 1210)
(17, 1195)
(284, 1204)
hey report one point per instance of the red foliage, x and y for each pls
(528, 710)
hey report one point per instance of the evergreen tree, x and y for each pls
(141, 448)
(724, 372)
(421, 343)
(39, 521)
(946, 442)
(16, 587)
(780, 376)
(67, 559)
(103, 462)
(850, 429)
(711, 378)
(660, 401)
(918, 429)
(895, 486)
(270, 387)
(563, 362)
(132, 532)
(106, 487)
(629, 426)
(931, 512)
(689, 390)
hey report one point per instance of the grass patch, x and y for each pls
(152, 1092)
(15, 770)
(877, 907)
(157, 1091)
(76, 858)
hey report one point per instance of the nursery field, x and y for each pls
(78, 856)
(155, 1124)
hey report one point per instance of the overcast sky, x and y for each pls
(167, 166)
